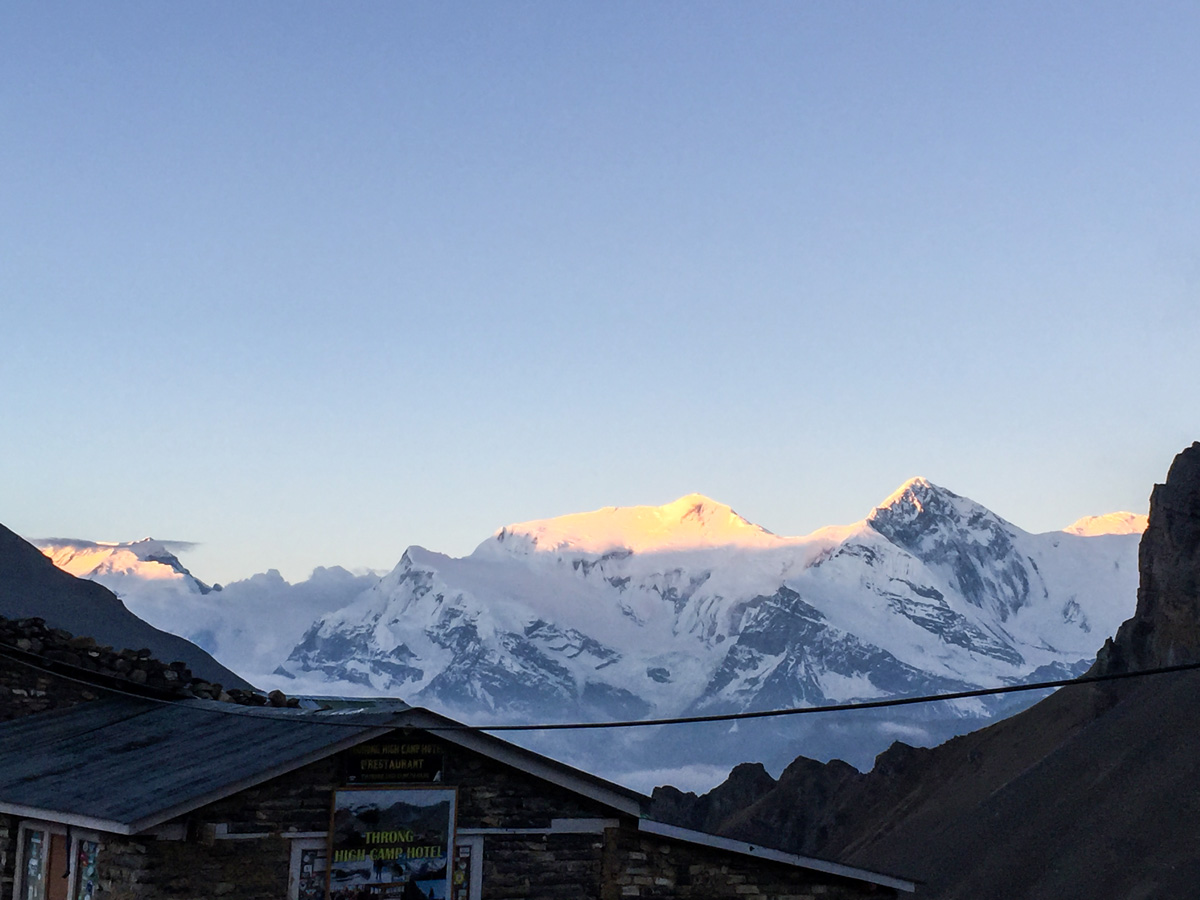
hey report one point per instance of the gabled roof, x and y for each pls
(126, 764)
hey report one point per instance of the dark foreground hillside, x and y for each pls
(1094, 792)
(32, 586)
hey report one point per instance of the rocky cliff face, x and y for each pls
(1165, 629)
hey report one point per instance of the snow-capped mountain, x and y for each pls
(32, 586)
(685, 608)
(134, 564)
(688, 608)
(248, 625)
(1111, 523)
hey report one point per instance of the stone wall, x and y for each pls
(547, 867)
(238, 847)
(137, 671)
(25, 690)
(493, 795)
(139, 868)
(8, 854)
(645, 866)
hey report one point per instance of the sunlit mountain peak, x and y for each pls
(147, 559)
(1109, 523)
(915, 492)
(691, 522)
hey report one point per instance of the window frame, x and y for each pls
(74, 836)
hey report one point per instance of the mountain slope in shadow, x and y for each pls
(31, 585)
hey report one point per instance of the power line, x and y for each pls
(836, 707)
(82, 678)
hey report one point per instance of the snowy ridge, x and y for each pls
(141, 561)
(249, 625)
(634, 612)
(1110, 523)
(689, 607)
(693, 521)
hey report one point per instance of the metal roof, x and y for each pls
(126, 764)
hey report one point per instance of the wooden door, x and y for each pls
(57, 864)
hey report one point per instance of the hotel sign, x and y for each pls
(392, 843)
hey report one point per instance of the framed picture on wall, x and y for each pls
(394, 842)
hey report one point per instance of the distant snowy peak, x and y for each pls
(1110, 523)
(968, 544)
(919, 506)
(689, 523)
(147, 559)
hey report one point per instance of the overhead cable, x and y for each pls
(81, 677)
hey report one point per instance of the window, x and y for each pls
(53, 864)
(86, 852)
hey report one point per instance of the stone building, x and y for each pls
(140, 798)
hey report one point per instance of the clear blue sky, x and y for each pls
(310, 282)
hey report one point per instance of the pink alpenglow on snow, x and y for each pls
(691, 522)
(1110, 523)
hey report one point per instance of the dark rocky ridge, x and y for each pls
(1091, 792)
(1165, 629)
(32, 642)
(745, 784)
(32, 586)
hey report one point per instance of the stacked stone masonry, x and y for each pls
(8, 854)
(638, 865)
(24, 691)
(35, 651)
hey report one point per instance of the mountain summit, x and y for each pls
(1109, 523)
(631, 612)
(919, 508)
(965, 542)
(113, 563)
(691, 522)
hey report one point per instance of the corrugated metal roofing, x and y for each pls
(125, 764)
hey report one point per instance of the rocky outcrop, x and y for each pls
(746, 784)
(1165, 629)
(79, 659)
(803, 812)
